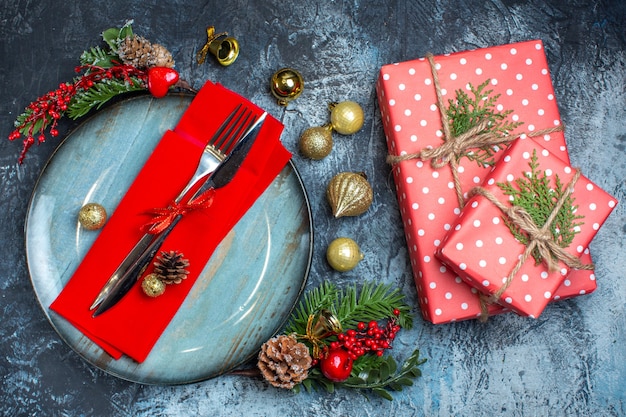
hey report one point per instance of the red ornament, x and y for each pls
(336, 365)
(160, 79)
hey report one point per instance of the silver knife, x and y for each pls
(115, 289)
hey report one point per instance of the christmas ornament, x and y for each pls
(336, 365)
(160, 79)
(343, 254)
(284, 362)
(225, 48)
(353, 358)
(286, 85)
(122, 67)
(316, 142)
(349, 194)
(346, 117)
(92, 216)
(152, 285)
(171, 267)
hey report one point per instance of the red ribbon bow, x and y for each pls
(163, 217)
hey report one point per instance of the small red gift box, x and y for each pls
(490, 253)
(412, 122)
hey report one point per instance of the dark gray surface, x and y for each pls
(571, 361)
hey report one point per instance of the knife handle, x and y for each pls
(134, 272)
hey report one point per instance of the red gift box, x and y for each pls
(412, 122)
(483, 250)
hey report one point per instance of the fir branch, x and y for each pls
(378, 374)
(99, 94)
(373, 303)
(467, 111)
(96, 56)
(315, 300)
(536, 195)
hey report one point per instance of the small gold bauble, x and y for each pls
(316, 142)
(286, 85)
(152, 285)
(349, 194)
(343, 254)
(346, 117)
(92, 216)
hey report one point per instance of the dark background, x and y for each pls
(570, 361)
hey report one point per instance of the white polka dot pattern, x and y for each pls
(533, 287)
(411, 122)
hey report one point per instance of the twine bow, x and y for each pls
(454, 147)
(163, 217)
(539, 238)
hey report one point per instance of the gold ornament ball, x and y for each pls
(316, 142)
(152, 285)
(346, 117)
(343, 254)
(286, 85)
(349, 194)
(92, 216)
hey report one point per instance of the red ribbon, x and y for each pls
(163, 217)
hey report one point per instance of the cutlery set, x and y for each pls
(218, 164)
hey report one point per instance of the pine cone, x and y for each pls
(160, 57)
(135, 51)
(284, 362)
(171, 267)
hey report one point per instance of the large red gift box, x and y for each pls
(481, 248)
(428, 201)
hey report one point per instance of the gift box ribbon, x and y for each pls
(135, 323)
(539, 237)
(455, 147)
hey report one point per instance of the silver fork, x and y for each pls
(218, 147)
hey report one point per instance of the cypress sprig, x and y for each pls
(467, 111)
(535, 193)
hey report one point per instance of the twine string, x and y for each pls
(539, 237)
(454, 147)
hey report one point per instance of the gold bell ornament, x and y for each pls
(92, 216)
(286, 85)
(225, 48)
(346, 118)
(349, 194)
(343, 254)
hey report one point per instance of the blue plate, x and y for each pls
(246, 291)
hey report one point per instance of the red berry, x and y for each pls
(372, 324)
(396, 312)
(337, 365)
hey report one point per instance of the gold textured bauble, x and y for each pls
(316, 142)
(92, 216)
(349, 194)
(286, 85)
(152, 285)
(346, 117)
(343, 254)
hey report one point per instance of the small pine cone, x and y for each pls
(160, 57)
(284, 362)
(171, 267)
(135, 51)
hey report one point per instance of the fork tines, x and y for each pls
(231, 130)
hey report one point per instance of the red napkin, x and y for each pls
(135, 323)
